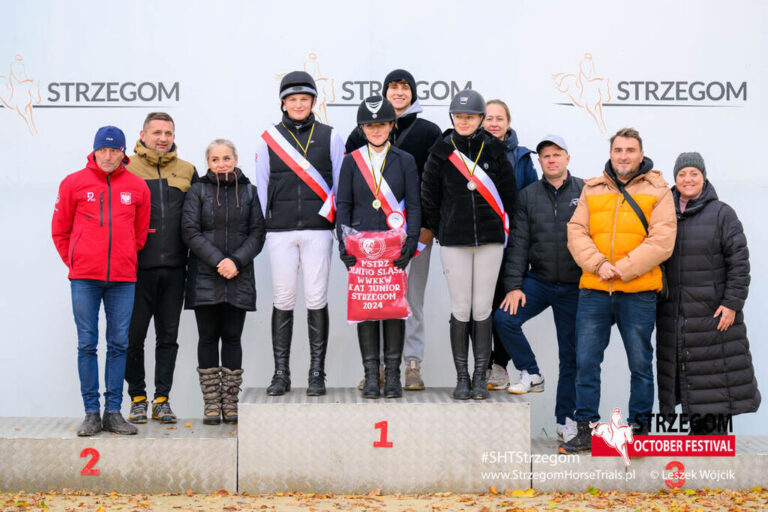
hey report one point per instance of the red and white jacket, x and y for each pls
(100, 222)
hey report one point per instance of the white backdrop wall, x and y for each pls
(216, 68)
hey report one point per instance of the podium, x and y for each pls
(344, 444)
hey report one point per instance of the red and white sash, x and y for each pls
(485, 187)
(394, 210)
(303, 169)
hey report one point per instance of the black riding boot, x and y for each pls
(481, 350)
(368, 336)
(282, 331)
(317, 325)
(460, 349)
(394, 339)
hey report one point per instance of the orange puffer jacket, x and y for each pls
(604, 227)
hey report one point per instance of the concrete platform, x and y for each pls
(326, 444)
(42, 454)
(749, 468)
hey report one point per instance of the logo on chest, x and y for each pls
(125, 198)
(574, 202)
(90, 197)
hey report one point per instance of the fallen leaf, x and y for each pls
(188, 424)
(493, 490)
(190, 492)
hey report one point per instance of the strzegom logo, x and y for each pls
(22, 94)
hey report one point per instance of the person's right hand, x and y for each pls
(349, 260)
(426, 236)
(608, 272)
(513, 300)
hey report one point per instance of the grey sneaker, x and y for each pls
(498, 378)
(161, 411)
(138, 412)
(381, 379)
(91, 425)
(413, 381)
(114, 422)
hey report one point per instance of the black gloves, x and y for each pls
(348, 259)
(405, 256)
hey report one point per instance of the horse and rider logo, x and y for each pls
(20, 93)
(586, 90)
(372, 248)
(615, 435)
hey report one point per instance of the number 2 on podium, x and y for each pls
(89, 469)
(382, 442)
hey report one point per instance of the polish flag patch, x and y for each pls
(125, 198)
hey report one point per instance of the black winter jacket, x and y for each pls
(705, 370)
(222, 220)
(455, 214)
(354, 198)
(538, 245)
(168, 178)
(291, 203)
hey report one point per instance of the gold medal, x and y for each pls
(305, 165)
(376, 204)
(471, 185)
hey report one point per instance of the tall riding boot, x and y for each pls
(481, 350)
(282, 331)
(460, 348)
(368, 336)
(210, 385)
(231, 380)
(394, 339)
(317, 325)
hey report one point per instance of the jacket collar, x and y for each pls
(303, 126)
(567, 181)
(694, 206)
(153, 157)
(645, 166)
(93, 166)
(210, 177)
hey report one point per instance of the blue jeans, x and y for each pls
(87, 295)
(539, 295)
(635, 316)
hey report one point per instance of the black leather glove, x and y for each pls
(405, 256)
(348, 259)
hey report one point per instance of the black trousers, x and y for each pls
(159, 295)
(220, 322)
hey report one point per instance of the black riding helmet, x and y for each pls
(374, 109)
(467, 102)
(297, 82)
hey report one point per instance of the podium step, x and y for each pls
(342, 443)
(42, 454)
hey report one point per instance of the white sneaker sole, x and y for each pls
(539, 388)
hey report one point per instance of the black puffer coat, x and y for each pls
(539, 239)
(705, 370)
(459, 216)
(222, 220)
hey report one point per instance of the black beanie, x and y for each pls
(398, 75)
(692, 159)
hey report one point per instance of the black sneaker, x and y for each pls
(91, 425)
(640, 429)
(138, 412)
(114, 422)
(581, 443)
(161, 411)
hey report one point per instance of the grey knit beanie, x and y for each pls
(692, 159)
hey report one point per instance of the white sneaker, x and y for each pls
(568, 431)
(528, 384)
(497, 378)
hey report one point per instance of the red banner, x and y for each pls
(376, 289)
(669, 446)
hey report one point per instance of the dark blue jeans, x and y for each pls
(539, 295)
(635, 315)
(87, 295)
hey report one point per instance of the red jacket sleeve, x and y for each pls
(141, 222)
(63, 218)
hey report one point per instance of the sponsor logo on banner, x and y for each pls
(22, 94)
(352, 91)
(593, 91)
(615, 439)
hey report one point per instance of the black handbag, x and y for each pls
(664, 293)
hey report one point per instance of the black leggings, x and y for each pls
(220, 321)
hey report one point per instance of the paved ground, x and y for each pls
(517, 501)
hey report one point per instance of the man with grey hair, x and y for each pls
(623, 228)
